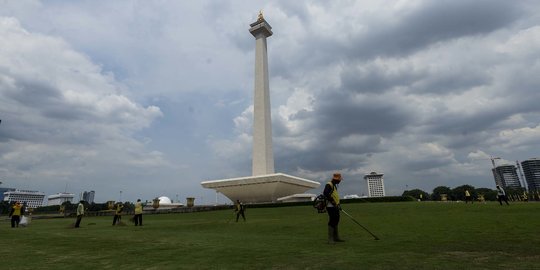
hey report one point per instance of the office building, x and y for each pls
(531, 169)
(506, 176)
(88, 196)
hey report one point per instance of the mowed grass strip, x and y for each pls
(425, 235)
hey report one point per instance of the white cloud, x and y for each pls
(65, 117)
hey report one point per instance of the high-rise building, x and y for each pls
(506, 176)
(531, 169)
(375, 184)
(88, 196)
(32, 199)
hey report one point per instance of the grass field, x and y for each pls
(427, 235)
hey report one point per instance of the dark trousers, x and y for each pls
(138, 219)
(333, 216)
(78, 222)
(15, 221)
(116, 218)
(238, 215)
(468, 199)
(503, 198)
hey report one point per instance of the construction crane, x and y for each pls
(493, 160)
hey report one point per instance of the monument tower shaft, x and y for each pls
(263, 156)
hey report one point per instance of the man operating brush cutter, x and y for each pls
(332, 208)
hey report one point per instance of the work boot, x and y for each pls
(331, 235)
(336, 235)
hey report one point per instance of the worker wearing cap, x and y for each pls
(332, 208)
(15, 214)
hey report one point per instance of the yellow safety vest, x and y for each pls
(334, 195)
(138, 208)
(16, 210)
(80, 209)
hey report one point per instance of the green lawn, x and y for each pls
(427, 235)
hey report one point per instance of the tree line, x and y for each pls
(458, 193)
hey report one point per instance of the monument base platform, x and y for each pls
(261, 188)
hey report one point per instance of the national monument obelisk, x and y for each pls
(264, 185)
(263, 157)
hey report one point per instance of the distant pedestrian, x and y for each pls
(468, 197)
(118, 213)
(80, 213)
(138, 213)
(15, 214)
(501, 195)
(333, 208)
(240, 209)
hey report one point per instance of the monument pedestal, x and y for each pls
(261, 188)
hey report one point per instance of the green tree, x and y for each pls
(4, 207)
(458, 193)
(436, 195)
(415, 193)
(489, 194)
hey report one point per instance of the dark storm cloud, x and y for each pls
(374, 79)
(450, 81)
(324, 156)
(48, 99)
(405, 33)
(345, 114)
(424, 164)
(346, 130)
(432, 22)
(453, 123)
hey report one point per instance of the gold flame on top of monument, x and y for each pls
(260, 17)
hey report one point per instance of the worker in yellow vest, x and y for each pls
(468, 197)
(525, 197)
(333, 208)
(118, 213)
(80, 213)
(239, 208)
(138, 213)
(15, 214)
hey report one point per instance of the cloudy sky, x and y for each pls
(148, 98)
